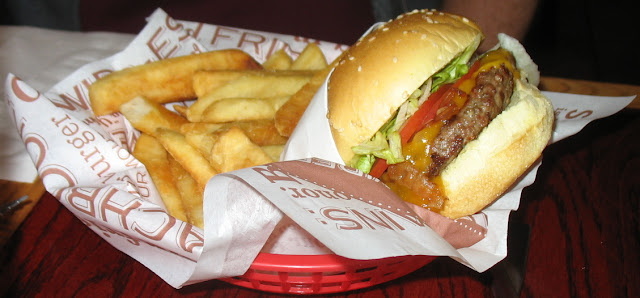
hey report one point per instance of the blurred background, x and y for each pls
(579, 39)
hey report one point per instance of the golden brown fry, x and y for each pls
(162, 81)
(203, 142)
(287, 117)
(279, 60)
(311, 58)
(262, 84)
(181, 110)
(289, 114)
(147, 116)
(261, 132)
(243, 109)
(234, 151)
(192, 195)
(206, 81)
(188, 156)
(154, 157)
(274, 151)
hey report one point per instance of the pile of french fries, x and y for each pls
(242, 115)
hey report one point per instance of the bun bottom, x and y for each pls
(505, 149)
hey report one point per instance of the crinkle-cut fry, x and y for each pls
(261, 132)
(243, 109)
(192, 195)
(311, 58)
(263, 84)
(279, 60)
(147, 116)
(155, 158)
(162, 81)
(234, 151)
(188, 156)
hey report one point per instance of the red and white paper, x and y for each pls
(313, 203)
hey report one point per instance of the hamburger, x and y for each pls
(446, 129)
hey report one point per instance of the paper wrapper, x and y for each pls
(310, 205)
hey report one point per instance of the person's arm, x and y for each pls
(512, 17)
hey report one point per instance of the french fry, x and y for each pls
(161, 81)
(155, 158)
(147, 116)
(243, 109)
(234, 151)
(203, 142)
(261, 132)
(311, 58)
(264, 85)
(279, 60)
(188, 156)
(181, 110)
(190, 192)
(289, 114)
(274, 151)
(206, 81)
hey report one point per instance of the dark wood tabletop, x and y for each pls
(577, 227)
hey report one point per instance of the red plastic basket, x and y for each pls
(322, 274)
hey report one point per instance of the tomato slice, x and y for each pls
(425, 113)
(379, 166)
(443, 97)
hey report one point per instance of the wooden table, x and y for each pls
(582, 213)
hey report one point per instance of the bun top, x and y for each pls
(383, 68)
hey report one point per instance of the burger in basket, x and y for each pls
(446, 129)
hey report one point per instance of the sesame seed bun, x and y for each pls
(383, 68)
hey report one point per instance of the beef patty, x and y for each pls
(487, 99)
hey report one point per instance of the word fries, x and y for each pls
(224, 116)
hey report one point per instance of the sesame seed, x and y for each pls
(372, 38)
(464, 19)
(359, 68)
(395, 59)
